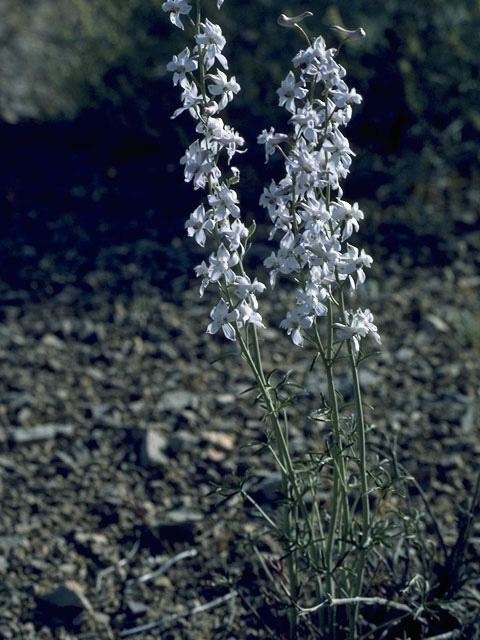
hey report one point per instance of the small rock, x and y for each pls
(65, 604)
(7, 463)
(224, 399)
(24, 415)
(166, 348)
(68, 568)
(97, 411)
(51, 340)
(39, 565)
(176, 401)
(95, 374)
(468, 419)
(405, 354)
(136, 608)
(437, 323)
(95, 544)
(184, 515)
(20, 435)
(101, 619)
(152, 449)
(10, 542)
(181, 440)
(3, 566)
(214, 455)
(220, 439)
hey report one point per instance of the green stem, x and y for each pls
(339, 515)
(289, 480)
(362, 457)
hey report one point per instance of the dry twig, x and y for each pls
(177, 616)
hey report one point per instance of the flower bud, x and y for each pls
(285, 21)
(356, 34)
(211, 108)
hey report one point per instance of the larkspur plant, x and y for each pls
(325, 553)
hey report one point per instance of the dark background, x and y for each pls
(89, 175)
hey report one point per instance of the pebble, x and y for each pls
(437, 323)
(21, 435)
(136, 608)
(67, 603)
(405, 354)
(51, 340)
(175, 401)
(153, 449)
(182, 440)
(220, 439)
(3, 566)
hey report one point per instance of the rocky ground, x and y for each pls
(115, 427)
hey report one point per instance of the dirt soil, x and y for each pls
(115, 428)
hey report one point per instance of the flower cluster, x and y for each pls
(306, 206)
(206, 91)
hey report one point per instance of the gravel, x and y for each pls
(115, 428)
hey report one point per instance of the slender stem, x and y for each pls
(288, 474)
(362, 457)
(261, 511)
(339, 515)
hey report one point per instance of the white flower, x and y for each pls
(198, 165)
(343, 98)
(223, 87)
(245, 288)
(294, 322)
(181, 65)
(353, 261)
(202, 270)
(176, 9)
(213, 43)
(339, 153)
(314, 211)
(222, 319)
(271, 140)
(219, 3)
(276, 198)
(248, 314)
(191, 99)
(220, 265)
(218, 134)
(309, 298)
(304, 160)
(306, 61)
(198, 223)
(284, 261)
(224, 202)
(234, 233)
(307, 122)
(349, 215)
(357, 325)
(290, 91)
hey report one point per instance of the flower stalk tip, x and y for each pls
(355, 34)
(285, 21)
